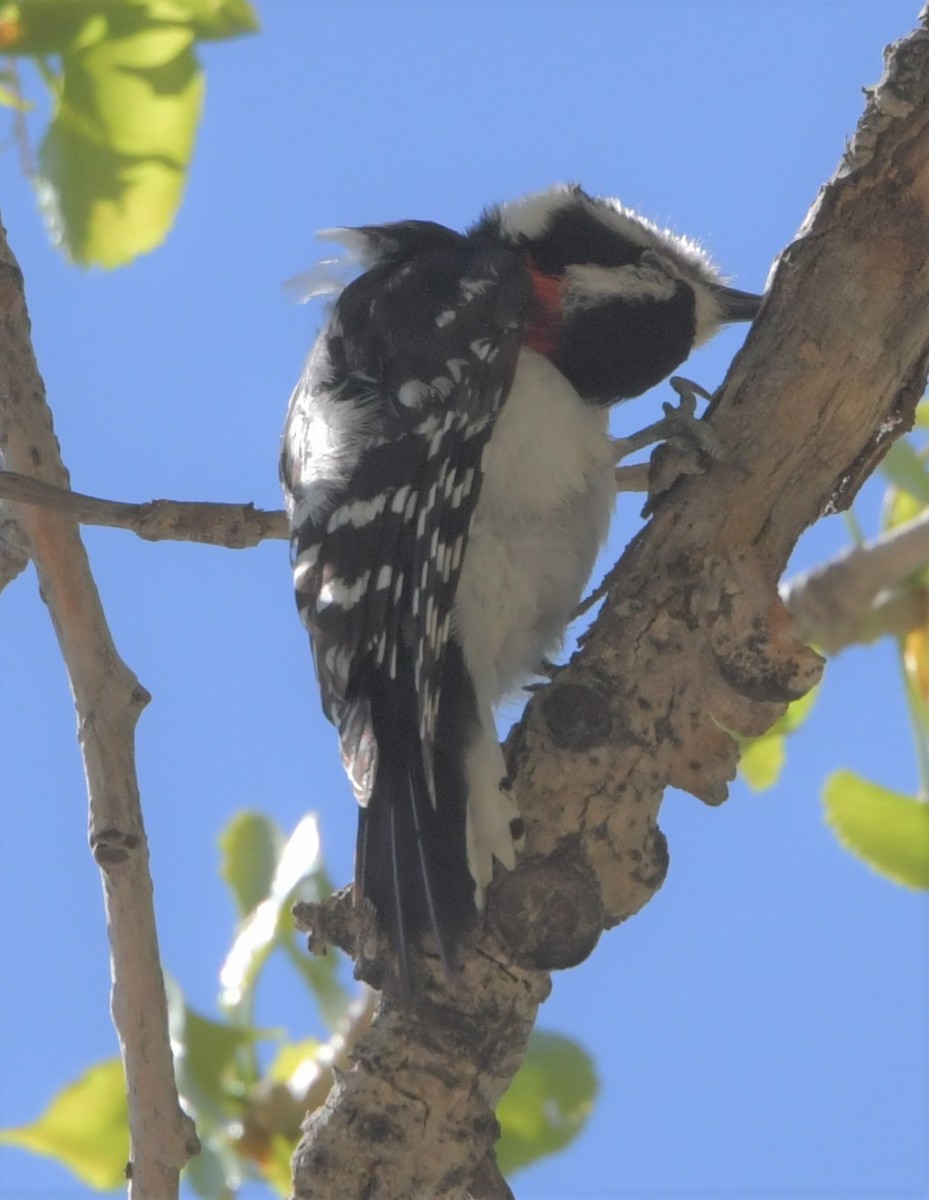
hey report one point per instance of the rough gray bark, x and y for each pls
(692, 641)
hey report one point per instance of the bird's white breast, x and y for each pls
(544, 511)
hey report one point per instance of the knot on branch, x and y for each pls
(110, 847)
(548, 914)
(752, 636)
(578, 718)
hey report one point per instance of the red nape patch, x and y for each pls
(545, 322)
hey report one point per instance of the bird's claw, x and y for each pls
(547, 670)
(685, 430)
(686, 445)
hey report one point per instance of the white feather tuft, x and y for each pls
(325, 278)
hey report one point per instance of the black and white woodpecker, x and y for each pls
(450, 479)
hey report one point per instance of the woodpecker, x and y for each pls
(450, 479)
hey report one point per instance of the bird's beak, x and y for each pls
(737, 306)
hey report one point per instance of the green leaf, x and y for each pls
(889, 830)
(221, 18)
(298, 874)
(278, 1170)
(45, 27)
(922, 414)
(797, 712)
(899, 507)
(86, 1127)
(762, 761)
(114, 161)
(763, 757)
(251, 844)
(215, 1173)
(254, 942)
(42, 27)
(290, 1057)
(203, 1064)
(206, 1058)
(127, 103)
(320, 974)
(300, 866)
(548, 1102)
(905, 469)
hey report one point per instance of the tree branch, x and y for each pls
(849, 600)
(833, 605)
(236, 526)
(108, 699)
(853, 597)
(693, 641)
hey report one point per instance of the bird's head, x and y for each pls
(619, 302)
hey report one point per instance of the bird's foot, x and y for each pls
(687, 446)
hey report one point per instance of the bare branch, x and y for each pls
(108, 699)
(236, 526)
(852, 600)
(691, 642)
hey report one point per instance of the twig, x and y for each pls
(108, 699)
(834, 605)
(852, 599)
(236, 526)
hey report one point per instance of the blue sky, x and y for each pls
(760, 1028)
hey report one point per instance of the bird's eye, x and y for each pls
(650, 258)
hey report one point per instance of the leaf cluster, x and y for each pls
(126, 90)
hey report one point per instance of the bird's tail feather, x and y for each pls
(411, 860)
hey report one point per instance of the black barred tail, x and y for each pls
(411, 857)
